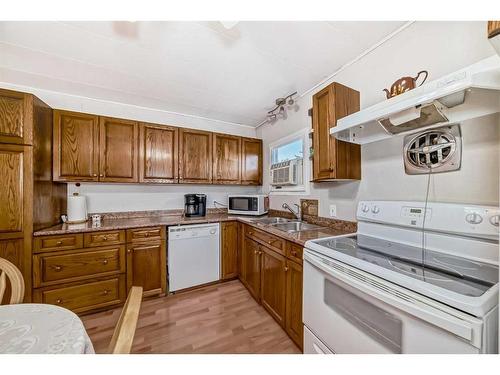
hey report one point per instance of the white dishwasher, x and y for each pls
(193, 255)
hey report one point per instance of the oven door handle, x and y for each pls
(396, 298)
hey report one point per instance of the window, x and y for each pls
(288, 151)
(289, 178)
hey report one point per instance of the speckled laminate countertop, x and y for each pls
(179, 219)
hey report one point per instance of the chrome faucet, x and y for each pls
(298, 214)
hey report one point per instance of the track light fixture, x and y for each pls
(280, 109)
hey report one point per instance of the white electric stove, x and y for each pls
(415, 278)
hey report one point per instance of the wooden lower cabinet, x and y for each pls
(229, 250)
(250, 267)
(146, 266)
(85, 296)
(293, 320)
(273, 279)
(273, 284)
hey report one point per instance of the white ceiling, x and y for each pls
(197, 68)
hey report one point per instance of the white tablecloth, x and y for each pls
(44, 329)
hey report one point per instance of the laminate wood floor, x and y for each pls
(221, 318)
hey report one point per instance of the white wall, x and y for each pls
(440, 48)
(135, 197)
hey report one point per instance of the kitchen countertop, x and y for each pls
(179, 219)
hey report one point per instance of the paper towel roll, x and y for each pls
(77, 209)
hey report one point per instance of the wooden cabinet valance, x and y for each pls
(96, 148)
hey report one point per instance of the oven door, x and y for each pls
(243, 205)
(352, 311)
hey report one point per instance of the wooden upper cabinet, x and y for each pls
(493, 28)
(158, 153)
(226, 159)
(15, 189)
(334, 159)
(251, 161)
(76, 146)
(16, 117)
(118, 150)
(195, 156)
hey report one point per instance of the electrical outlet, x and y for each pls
(333, 210)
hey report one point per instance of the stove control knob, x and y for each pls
(365, 208)
(375, 209)
(474, 218)
(494, 220)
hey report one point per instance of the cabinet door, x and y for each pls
(13, 251)
(250, 267)
(273, 291)
(76, 146)
(493, 28)
(294, 326)
(251, 161)
(226, 159)
(229, 250)
(15, 117)
(15, 190)
(146, 267)
(158, 152)
(118, 150)
(323, 143)
(195, 156)
(334, 159)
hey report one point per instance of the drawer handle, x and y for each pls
(286, 269)
(260, 252)
(104, 238)
(106, 292)
(105, 261)
(270, 242)
(59, 243)
(57, 268)
(250, 233)
(59, 301)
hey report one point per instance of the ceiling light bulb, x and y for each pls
(282, 109)
(291, 101)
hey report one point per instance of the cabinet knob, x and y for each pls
(57, 268)
(270, 242)
(105, 261)
(286, 269)
(59, 242)
(260, 252)
(250, 233)
(95, 174)
(129, 251)
(105, 292)
(59, 301)
(104, 238)
(101, 175)
(255, 252)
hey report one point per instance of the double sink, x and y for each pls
(287, 225)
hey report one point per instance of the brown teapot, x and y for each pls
(405, 84)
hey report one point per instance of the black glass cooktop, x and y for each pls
(454, 273)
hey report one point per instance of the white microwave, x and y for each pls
(255, 204)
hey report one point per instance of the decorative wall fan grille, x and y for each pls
(436, 150)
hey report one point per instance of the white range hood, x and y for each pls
(466, 94)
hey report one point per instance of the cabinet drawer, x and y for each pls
(64, 242)
(85, 297)
(51, 268)
(153, 233)
(294, 252)
(113, 237)
(273, 242)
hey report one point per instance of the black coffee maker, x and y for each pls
(195, 205)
